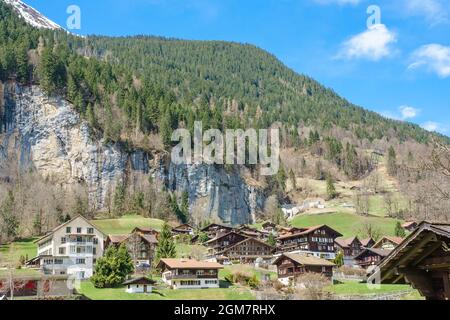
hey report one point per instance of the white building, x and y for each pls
(139, 285)
(190, 274)
(70, 249)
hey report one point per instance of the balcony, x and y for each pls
(190, 276)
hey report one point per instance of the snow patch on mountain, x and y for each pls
(32, 16)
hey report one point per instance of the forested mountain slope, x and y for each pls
(115, 101)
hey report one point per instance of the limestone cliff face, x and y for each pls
(47, 134)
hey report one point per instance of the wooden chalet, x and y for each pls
(318, 241)
(350, 247)
(217, 245)
(251, 232)
(141, 244)
(184, 229)
(370, 257)
(367, 243)
(216, 230)
(422, 259)
(190, 274)
(249, 250)
(410, 226)
(290, 266)
(388, 243)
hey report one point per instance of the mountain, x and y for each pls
(32, 16)
(89, 120)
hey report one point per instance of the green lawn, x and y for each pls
(356, 288)
(21, 273)
(166, 294)
(346, 223)
(26, 248)
(227, 270)
(126, 224)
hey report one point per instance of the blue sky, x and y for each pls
(399, 67)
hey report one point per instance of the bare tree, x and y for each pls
(312, 286)
(368, 230)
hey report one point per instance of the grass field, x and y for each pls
(346, 223)
(26, 248)
(227, 270)
(355, 288)
(166, 294)
(126, 224)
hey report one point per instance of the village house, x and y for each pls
(141, 244)
(290, 266)
(388, 243)
(216, 230)
(370, 257)
(190, 274)
(410, 226)
(249, 250)
(70, 249)
(318, 241)
(139, 285)
(367, 243)
(251, 232)
(184, 229)
(422, 259)
(351, 248)
(218, 245)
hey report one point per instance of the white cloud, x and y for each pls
(372, 44)
(435, 127)
(409, 112)
(434, 11)
(339, 2)
(433, 57)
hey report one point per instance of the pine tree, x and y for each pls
(165, 130)
(271, 241)
(331, 189)
(119, 199)
(339, 260)
(166, 245)
(112, 269)
(392, 162)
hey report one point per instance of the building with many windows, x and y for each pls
(190, 274)
(70, 249)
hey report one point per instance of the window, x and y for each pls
(81, 261)
(94, 251)
(211, 282)
(90, 230)
(79, 230)
(68, 229)
(190, 283)
(95, 240)
(63, 240)
(62, 250)
(59, 261)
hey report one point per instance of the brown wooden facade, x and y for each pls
(249, 250)
(422, 259)
(294, 265)
(318, 239)
(371, 257)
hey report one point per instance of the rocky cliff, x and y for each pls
(47, 135)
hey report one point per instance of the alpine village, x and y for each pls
(91, 206)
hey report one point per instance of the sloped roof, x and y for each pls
(365, 242)
(306, 231)
(306, 260)
(346, 242)
(395, 240)
(48, 234)
(249, 239)
(412, 249)
(381, 252)
(189, 264)
(226, 234)
(118, 238)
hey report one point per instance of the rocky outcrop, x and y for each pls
(47, 134)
